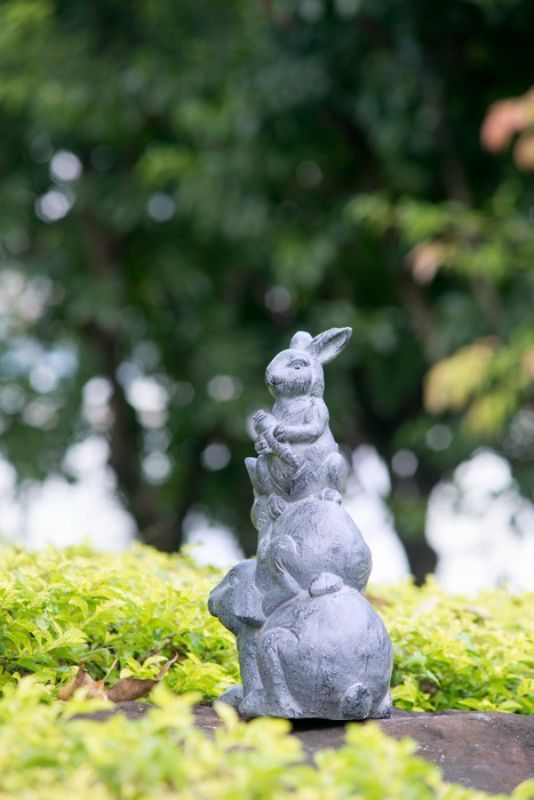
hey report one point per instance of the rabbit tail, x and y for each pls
(356, 702)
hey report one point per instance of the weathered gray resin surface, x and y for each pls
(310, 645)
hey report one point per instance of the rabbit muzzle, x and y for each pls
(273, 379)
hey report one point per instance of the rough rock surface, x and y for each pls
(490, 751)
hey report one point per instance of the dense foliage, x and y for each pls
(44, 755)
(123, 615)
(184, 184)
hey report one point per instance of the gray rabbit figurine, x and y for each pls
(311, 536)
(297, 454)
(309, 643)
(325, 653)
(237, 603)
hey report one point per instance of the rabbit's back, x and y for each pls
(341, 639)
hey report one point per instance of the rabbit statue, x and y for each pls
(310, 645)
(297, 454)
(310, 537)
(236, 602)
(326, 654)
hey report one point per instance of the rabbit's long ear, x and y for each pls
(300, 341)
(327, 345)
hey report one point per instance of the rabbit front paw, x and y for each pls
(332, 495)
(281, 433)
(253, 704)
(288, 455)
(285, 707)
(277, 506)
(262, 421)
(261, 447)
(232, 696)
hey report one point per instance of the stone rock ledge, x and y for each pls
(491, 751)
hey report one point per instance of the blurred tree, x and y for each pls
(184, 184)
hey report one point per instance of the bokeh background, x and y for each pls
(184, 185)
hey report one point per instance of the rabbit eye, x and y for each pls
(298, 364)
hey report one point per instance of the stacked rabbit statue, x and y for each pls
(310, 644)
(298, 455)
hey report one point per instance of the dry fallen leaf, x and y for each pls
(130, 689)
(82, 680)
(125, 689)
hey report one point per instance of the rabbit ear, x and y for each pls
(327, 345)
(300, 341)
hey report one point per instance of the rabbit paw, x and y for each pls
(281, 433)
(384, 709)
(232, 696)
(288, 455)
(277, 506)
(330, 494)
(253, 704)
(262, 421)
(261, 446)
(286, 707)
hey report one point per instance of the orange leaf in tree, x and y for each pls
(425, 259)
(524, 152)
(453, 381)
(527, 362)
(503, 119)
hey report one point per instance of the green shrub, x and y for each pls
(125, 614)
(45, 755)
(454, 652)
(118, 613)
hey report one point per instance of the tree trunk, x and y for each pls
(160, 529)
(421, 557)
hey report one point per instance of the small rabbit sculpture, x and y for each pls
(310, 645)
(333, 632)
(297, 454)
(312, 536)
(237, 603)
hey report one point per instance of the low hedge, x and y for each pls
(126, 614)
(46, 755)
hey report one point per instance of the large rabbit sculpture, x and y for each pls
(310, 644)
